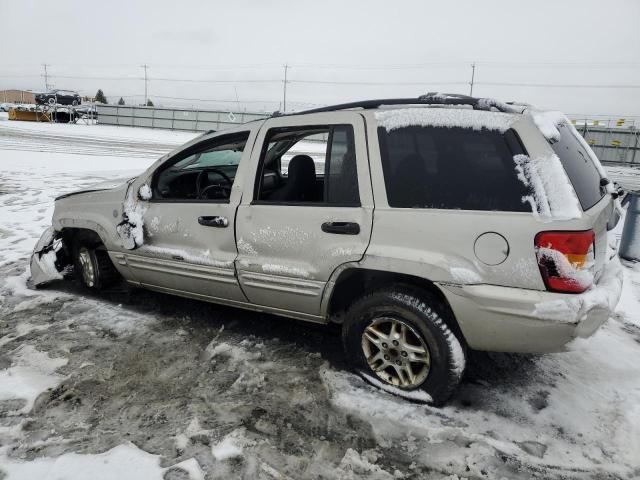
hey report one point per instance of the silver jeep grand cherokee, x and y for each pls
(425, 226)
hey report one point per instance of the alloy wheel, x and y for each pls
(86, 265)
(396, 353)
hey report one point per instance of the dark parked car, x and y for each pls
(60, 97)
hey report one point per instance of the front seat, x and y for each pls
(301, 182)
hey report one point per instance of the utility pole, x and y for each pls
(237, 100)
(145, 66)
(473, 76)
(46, 77)
(284, 95)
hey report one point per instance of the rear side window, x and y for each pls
(309, 165)
(579, 167)
(451, 168)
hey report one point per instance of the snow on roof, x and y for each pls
(444, 117)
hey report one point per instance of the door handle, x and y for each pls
(214, 221)
(341, 228)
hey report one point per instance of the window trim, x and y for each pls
(263, 151)
(181, 155)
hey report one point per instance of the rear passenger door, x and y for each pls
(306, 209)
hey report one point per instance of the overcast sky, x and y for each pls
(579, 56)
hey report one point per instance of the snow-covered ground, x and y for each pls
(134, 384)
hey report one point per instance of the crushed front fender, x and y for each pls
(48, 258)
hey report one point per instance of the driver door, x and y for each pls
(189, 243)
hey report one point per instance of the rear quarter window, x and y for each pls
(580, 168)
(451, 168)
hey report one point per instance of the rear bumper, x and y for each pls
(504, 319)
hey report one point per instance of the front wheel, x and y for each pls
(93, 268)
(398, 340)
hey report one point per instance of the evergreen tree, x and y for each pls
(121, 101)
(149, 103)
(100, 97)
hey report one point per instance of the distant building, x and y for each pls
(17, 96)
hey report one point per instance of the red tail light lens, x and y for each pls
(566, 260)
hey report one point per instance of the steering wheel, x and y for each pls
(201, 188)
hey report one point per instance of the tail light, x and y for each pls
(566, 260)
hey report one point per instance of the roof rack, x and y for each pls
(432, 98)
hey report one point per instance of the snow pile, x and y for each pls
(602, 296)
(355, 465)
(193, 430)
(415, 395)
(124, 462)
(548, 123)
(284, 270)
(444, 117)
(145, 192)
(31, 373)
(551, 194)
(233, 352)
(231, 445)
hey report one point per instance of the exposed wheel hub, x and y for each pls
(395, 352)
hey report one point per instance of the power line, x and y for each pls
(90, 77)
(557, 85)
(211, 80)
(460, 64)
(347, 82)
(342, 82)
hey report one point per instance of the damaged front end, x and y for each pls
(50, 259)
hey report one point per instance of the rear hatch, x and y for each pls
(586, 175)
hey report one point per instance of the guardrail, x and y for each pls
(172, 118)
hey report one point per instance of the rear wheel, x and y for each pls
(93, 268)
(398, 339)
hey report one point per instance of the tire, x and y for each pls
(51, 101)
(416, 320)
(94, 269)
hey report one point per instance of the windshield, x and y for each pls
(214, 158)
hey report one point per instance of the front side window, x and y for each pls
(204, 172)
(451, 168)
(308, 165)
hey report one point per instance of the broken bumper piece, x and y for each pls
(46, 264)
